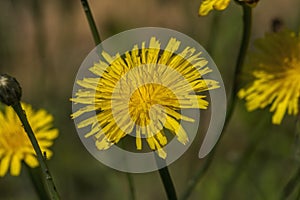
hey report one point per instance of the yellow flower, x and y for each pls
(276, 70)
(143, 92)
(15, 146)
(208, 5)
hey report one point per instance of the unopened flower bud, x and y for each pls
(10, 90)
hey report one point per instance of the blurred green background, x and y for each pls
(42, 44)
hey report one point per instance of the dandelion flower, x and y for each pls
(142, 93)
(15, 145)
(275, 66)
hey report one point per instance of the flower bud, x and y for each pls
(10, 90)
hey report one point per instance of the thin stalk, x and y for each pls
(168, 184)
(90, 18)
(247, 25)
(34, 174)
(247, 21)
(97, 41)
(166, 179)
(53, 194)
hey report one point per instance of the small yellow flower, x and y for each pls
(143, 92)
(208, 5)
(275, 66)
(15, 145)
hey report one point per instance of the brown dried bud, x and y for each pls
(10, 90)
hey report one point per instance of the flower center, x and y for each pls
(13, 138)
(146, 103)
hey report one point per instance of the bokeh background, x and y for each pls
(42, 44)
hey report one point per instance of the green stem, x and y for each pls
(247, 21)
(168, 184)
(36, 180)
(97, 41)
(91, 21)
(247, 25)
(166, 179)
(53, 194)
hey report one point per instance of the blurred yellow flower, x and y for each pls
(275, 66)
(15, 145)
(208, 5)
(143, 92)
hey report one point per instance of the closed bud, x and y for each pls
(10, 90)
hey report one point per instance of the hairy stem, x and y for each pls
(36, 179)
(47, 178)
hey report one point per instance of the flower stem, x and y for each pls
(53, 194)
(247, 25)
(166, 179)
(168, 184)
(97, 41)
(35, 177)
(247, 21)
(89, 16)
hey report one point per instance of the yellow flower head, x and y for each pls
(208, 5)
(15, 145)
(143, 93)
(275, 66)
